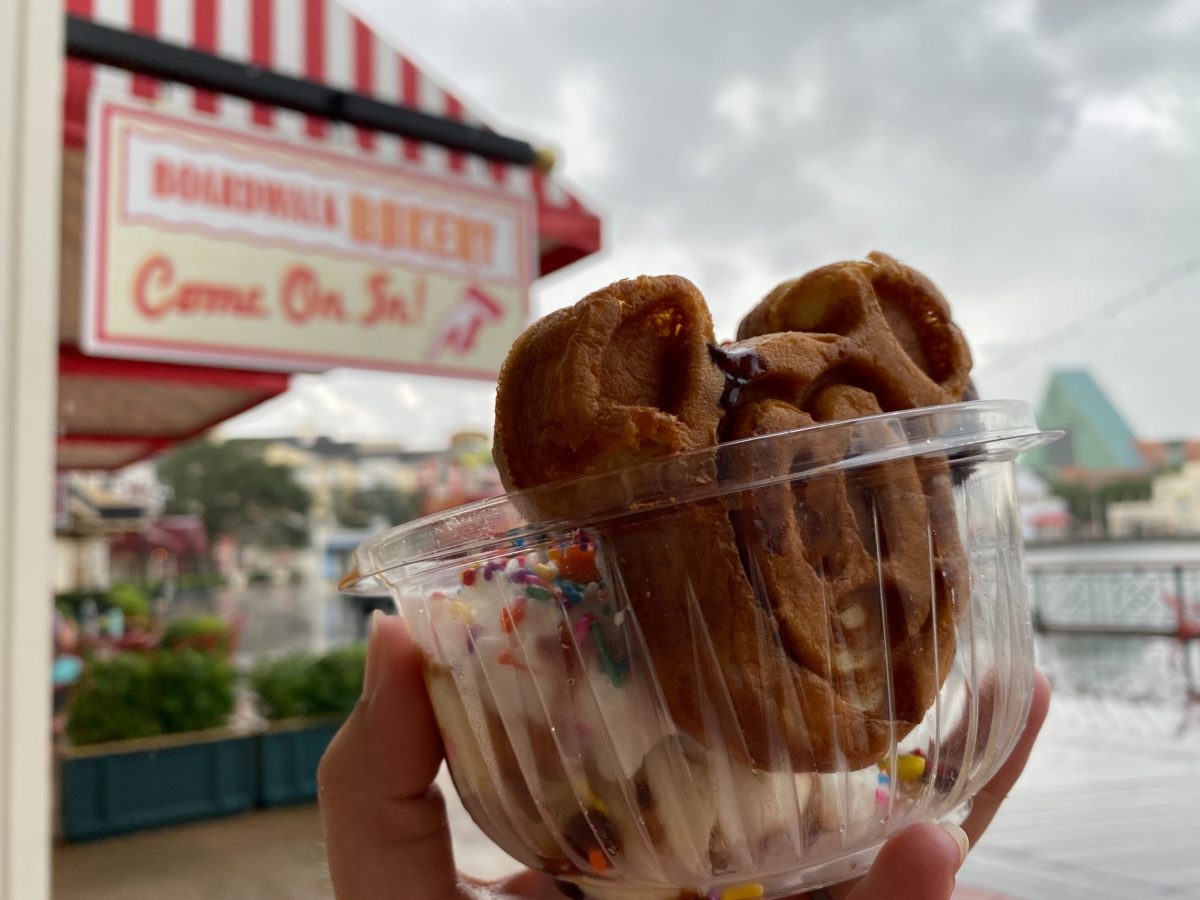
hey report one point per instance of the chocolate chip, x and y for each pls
(586, 830)
(718, 852)
(945, 780)
(645, 798)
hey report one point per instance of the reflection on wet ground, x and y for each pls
(278, 619)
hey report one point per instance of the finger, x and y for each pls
(992, 794)
(386, 832)
(919, 863)
(530, 885)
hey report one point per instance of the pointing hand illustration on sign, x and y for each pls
(459, 330)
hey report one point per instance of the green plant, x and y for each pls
(211, 633)
(336, 681)
(70, 603)
(303, 684)
(129, 598)
(137, 695)
(114, 701)
(280, 685)
(199, 581)
(193, 690)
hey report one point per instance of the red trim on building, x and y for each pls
(261, 24)
(204, 37)
(364, 74)
(314, 57)
(144, 19)
(72, 362)
(410, 95)
(454, 110)
(261, 386)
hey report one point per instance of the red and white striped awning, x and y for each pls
(112, 412)
(321, 41)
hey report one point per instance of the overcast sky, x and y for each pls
(1039, 161)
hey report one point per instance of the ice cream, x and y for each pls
(716, 677)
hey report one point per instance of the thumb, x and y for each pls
(919, 863)
(386, 832)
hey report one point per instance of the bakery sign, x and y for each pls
(213, 245)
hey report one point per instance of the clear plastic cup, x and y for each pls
(736, 671)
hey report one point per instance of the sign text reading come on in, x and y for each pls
(207, 244)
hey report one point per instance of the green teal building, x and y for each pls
(1098, 440)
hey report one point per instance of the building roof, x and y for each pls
(1098, 437)
(115, 412)
(1159, 454)
(328, 448)
(322, 41)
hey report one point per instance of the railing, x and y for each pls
(1101, 599)
(1115, 598)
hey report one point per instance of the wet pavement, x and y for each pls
(276, 855)
(1109, 806)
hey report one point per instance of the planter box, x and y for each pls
(110, 789)
(288, 754)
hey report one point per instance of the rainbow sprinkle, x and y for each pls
(743, 892)
(473, 634)
(606, 658)
(512, 616)
(461, 612)
(505, 658)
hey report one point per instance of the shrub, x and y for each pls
(207, 633)
(137, 695)
(199, 581)
(303, 684)
(193, 690)
(70, 603)
(336, 681)
(114, 701)
(129, 598)
(280, 685)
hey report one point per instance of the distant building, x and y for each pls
(460, 473)
(1098, 445)
(1173, 507)
(1169, 454)
(89, 512)
(1044, 517)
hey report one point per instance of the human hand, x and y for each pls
(387, 835)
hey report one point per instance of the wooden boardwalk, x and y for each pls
(1109, 807)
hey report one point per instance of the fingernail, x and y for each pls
(374, 649)
(960, 838)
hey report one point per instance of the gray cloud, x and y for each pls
(1036, 159)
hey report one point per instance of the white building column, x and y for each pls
(31, 71)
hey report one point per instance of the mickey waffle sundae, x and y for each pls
(714, 643)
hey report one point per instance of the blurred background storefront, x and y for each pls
(248, 190)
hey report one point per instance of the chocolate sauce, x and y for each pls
(741, 366)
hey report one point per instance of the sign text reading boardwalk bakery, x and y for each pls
(212, 245)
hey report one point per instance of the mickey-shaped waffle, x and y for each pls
(808, 624)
